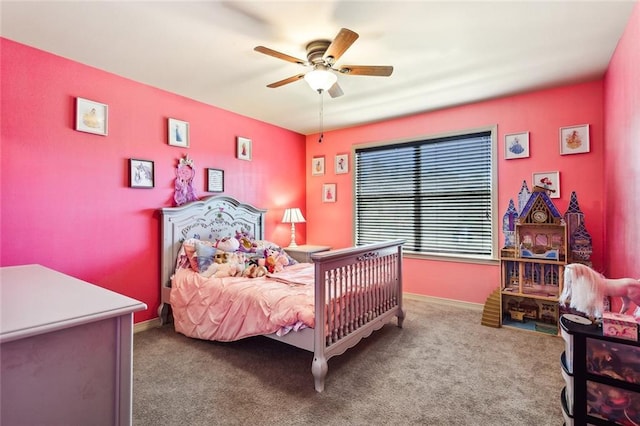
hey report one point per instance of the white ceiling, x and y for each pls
(444, 53)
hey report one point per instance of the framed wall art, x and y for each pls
(516, 145)
(91, 117)
(549, 181)
(329, 193)
(243, 148)
(342, 164)
(215, 180)
(317, 166)
(178, 133)
(141, 173)
(574, 139)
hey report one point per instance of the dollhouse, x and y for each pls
(538, 242)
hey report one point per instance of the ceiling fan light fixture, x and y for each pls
(320, 79)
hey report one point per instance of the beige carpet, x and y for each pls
(441, 368)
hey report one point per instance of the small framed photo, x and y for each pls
(91, 117)
(141, 173)
(243, 148)
(549, 181)
(317, 166)
(215, 180)
(574, 139)
(516, 145)
(329, 193)
(178, 133)
(342, 164)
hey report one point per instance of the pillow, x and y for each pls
(187, 255)
(205, 255)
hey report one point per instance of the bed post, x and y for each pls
(401, 314)
(319, 365)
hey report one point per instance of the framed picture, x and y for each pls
(549, 181)
(516, 145)
(243, 148)
(574, 139)
(329, 193)
(91, 117)
(342, 164)
(141, 173)
(215, 180)
(178, 133)
(317, 166)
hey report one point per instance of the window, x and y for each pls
(437, 194)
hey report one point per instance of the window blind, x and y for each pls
(436, 194)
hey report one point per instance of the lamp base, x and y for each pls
(293, 236)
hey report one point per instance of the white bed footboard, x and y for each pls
(358, 290)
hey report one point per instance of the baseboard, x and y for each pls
(146, 325)
(443, 301)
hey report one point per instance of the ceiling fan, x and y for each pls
(322, 56)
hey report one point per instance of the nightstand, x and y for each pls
(303, 253)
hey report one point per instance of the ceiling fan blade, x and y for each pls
(279, 55)
(285, 81)
(335, 90)
(340, 44)
(374, 70)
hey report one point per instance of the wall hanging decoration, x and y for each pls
(342, 164)
(215, 180)
(185, 173)
(547, 181)
(141, 173)
(317, 166)
(516, 145)
(329, 193)
(574, 139)
(91, 116)
(178, 132)
(243, 148)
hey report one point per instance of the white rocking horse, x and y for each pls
(587, 288)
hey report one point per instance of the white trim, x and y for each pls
(443, 301)
(146, 325)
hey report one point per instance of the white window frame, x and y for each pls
(387, 230)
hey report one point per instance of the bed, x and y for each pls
(354, 291)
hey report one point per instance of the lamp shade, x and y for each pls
(320, 79)
(293, 215)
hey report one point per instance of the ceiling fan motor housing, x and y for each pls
(316, 50)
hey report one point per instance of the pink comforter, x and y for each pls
(232, 308)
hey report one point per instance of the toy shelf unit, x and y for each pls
(537, 248)
(602, 376)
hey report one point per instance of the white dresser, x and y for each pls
(65, 348)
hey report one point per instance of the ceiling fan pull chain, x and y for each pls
(321, 115)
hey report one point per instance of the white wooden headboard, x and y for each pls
(207, 219)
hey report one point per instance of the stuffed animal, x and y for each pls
(221, 257)
(228, 244)
(254, 271)
(274, 260)
(225, 265)
(245, 242)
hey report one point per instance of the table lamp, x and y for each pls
(293, 216)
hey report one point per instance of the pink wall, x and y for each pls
(622, 154)
(541, 113)
(65, 197)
